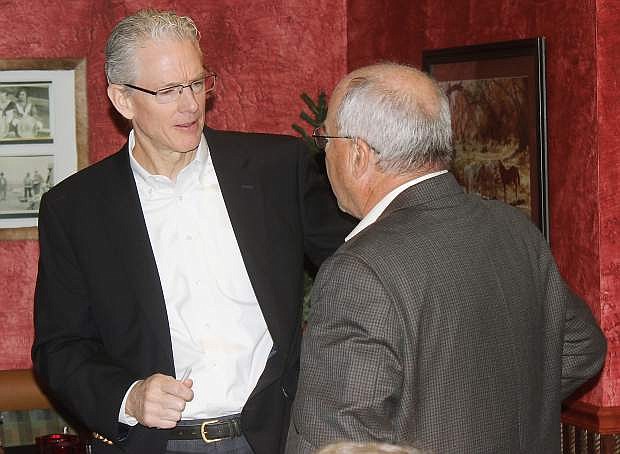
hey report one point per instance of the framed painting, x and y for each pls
(43, 135)
(498, 103)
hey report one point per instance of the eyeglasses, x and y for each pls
(172, 94)
(321, 140)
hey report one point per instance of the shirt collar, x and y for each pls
(380, 207)
(199, 169)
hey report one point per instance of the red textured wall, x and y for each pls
(266, 52)
(32, 28)
(391, 30)
(583, 142)
(608, 113)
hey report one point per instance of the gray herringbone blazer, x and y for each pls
(444, 325)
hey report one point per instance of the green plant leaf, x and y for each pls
(301, 131)
(315, 119)
(312, 121)
(315, 108)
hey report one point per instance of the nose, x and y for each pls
(188, 101)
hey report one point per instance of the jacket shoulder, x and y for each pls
(255, 142)
(243, 136)
(90, 178)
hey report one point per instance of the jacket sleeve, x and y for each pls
(584, 347)
(325, 225)
(351, 365)
(68, 353)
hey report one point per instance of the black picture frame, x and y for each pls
(498, 100)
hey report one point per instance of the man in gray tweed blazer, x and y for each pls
(443, 321)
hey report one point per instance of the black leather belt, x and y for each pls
(209, 430)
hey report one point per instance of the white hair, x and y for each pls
(131, 33)
(406, 133)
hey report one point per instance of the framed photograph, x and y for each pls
(23, 180)
(498, 103)
(25, 112)
(43, 136)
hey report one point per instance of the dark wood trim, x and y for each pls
(603, 420)
(19, 391)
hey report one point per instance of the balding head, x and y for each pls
(400, 112)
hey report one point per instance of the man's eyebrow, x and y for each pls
(205, 72)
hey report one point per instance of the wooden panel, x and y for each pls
(602, 420)
(20, 391)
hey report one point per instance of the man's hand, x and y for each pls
(159, 400)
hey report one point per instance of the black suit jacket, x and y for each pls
(100, 317)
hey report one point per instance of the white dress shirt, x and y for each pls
(380, 207)
(216, 325)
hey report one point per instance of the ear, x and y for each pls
(361, 158)
(121, 100)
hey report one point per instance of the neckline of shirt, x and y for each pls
(198, 171)
(380, 207)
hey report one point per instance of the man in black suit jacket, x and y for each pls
(443, 321)
(183, 252)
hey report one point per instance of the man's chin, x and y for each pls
(190, 150)
(192, 146)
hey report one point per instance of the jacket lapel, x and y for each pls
(238, 177)
(127, 229)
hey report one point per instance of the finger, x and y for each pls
(188, 394)
(174, 403)
(171, 416)
(179, 389)
(163, 422)
(163, 415)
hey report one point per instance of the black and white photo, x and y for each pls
(23, 180)
(25, 113)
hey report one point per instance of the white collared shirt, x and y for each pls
(216, 325)
(380, 207)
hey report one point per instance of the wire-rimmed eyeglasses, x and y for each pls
(171, 94)
(321, 140)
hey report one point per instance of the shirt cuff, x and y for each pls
(124, 417)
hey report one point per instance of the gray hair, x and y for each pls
(131, 33)
(406, 134)
(368, 448)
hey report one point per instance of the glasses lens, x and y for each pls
(198, 86)
(170, 94)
